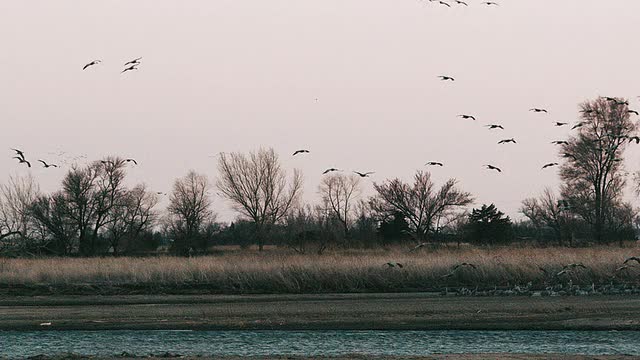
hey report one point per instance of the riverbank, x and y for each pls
(400, 311)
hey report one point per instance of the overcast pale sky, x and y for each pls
(234, 75)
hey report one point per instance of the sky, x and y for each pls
(354, 81)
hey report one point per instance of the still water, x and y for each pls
(15, 344)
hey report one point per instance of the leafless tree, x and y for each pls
(257, 186)
(60, 232)
(593, 173)
(190, 211)
(91, 193)
(132, 215)
(341, 192)
(420, 203)
(547, 210)
(16, 221)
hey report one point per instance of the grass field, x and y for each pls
(282, 271)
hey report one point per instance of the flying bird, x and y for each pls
(633, 112)
(303, 151)
(19, 152)
(464, 264)
(444, 3)
(550, 165)
(94, 62)
(506, 141)
(574, 266)
(567, 155)
(538, 110)
(434, 163)
(580, 124)
(634, 138)
(22, 161)
(131, 160)
(461, 2)
(467, 116)
(490, 3)
(445, 78)
(132, 67)
(491, 167)
(633, 258)
(47, 165)
(133, 62)
(561, 123)
(364, 174)
(494, 126)
(329, 170)
(560, 142)
(394, 264)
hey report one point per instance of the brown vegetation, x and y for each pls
(346, 271)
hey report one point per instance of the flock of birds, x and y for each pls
(566, 269)
(460, 2)
(128, 66)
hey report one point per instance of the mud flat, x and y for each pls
(403, 311)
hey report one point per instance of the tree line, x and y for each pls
(95, 213)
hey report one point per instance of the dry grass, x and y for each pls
(279, 271)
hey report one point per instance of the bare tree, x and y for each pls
(16, 198)
(190, 211)
(257, 186)
(547, 210)
(60, 232)
(132, 215)
(421, 204)
(91, 193)
(340, 193)
(593, 174)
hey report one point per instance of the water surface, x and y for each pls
(245, 343)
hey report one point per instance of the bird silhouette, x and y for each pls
(464, 264)
(94, 62)
(22, 161)
(490, 3)
(133, 62)
(461, 2)
(506, 141)
(19, 152)
(364, 174)
(634, 138)
(132, 67)
(443, 3)
(560, 142)
(491, 167)
(539, 110)
(445, 78)
(394, 264)
(578, 125)
(303, 151)
(47, 165)
(464, 116)
(574, 266)
(434, 163)
(633, 112)
(330, 170)
(550, 165)
(131, 160)
(561, 123)
(494, 126)
(633, 258)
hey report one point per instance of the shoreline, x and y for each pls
(382, 311)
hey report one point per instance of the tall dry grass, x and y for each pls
(285, 272)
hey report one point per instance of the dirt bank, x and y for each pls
(412, 311)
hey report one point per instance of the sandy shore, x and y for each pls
(410, 311)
